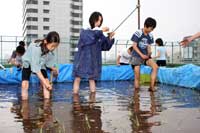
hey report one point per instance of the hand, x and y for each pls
(48, 86)
(144, 57)
(19, 65)
(105, 29)
(55, 71)
(111, 34)
(185, 42)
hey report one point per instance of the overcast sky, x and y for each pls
(175, 18)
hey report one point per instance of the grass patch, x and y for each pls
(145, 78)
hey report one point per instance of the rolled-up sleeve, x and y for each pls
(106, 43)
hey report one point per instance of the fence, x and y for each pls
(65, 51)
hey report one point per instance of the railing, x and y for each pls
(65, 51)
(176, 53)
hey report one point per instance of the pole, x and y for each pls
(138, 14)
(125, 19)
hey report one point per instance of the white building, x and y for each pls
(63, 16)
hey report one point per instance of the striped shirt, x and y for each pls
(142, 41)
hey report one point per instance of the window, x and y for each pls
(76, 14)
(76, 7)
(46, 19)
(32, 35)
(32, 19)
(32, 10)
(72, 37)
(46, 2)
(32, 27)
(74, 22)
(77, 0)
(45, 11)
(72, 53)
(45, 27)
(75, 30)
(32, 2)
(45, 35)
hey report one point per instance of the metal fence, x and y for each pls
(176, 53)
(65, 51)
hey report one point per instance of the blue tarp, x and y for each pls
(186, 76)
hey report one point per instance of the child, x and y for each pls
(37, 57)
(161, 53)
(14, 53)
(188, 40)
(124, 57)
(87, 62)
(17, 61)
(142, 40)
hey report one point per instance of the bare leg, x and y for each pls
(92, 86)
(154, 67)
(24, 93)
(76, 85)
(92, 99)
(137, 77)
(76, 102)
(46, 91)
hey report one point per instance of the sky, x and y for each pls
(175, 18)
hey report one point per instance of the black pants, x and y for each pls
(26, 73)
(161, 62)
(124, 64)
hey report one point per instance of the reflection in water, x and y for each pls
(140, 118)
(121, 110)
(87, 116)
(36, 117)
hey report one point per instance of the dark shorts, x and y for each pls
(161, 62)
(124, 64)
(26, 73)
(137, 61)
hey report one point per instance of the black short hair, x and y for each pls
(20, 50)
(94, 17)
(150, 22)
(159, 41)
(22, 43)
(130, 48)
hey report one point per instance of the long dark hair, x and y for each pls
(52, 37)
(94, 17)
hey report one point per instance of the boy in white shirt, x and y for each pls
(124, 56)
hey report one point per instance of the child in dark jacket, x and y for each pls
(87, 63)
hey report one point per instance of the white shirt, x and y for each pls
(162, 51)
(18, 59)
(124, 56)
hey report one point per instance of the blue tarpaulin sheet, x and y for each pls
(186, 76)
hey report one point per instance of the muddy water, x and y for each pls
(114, 108)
